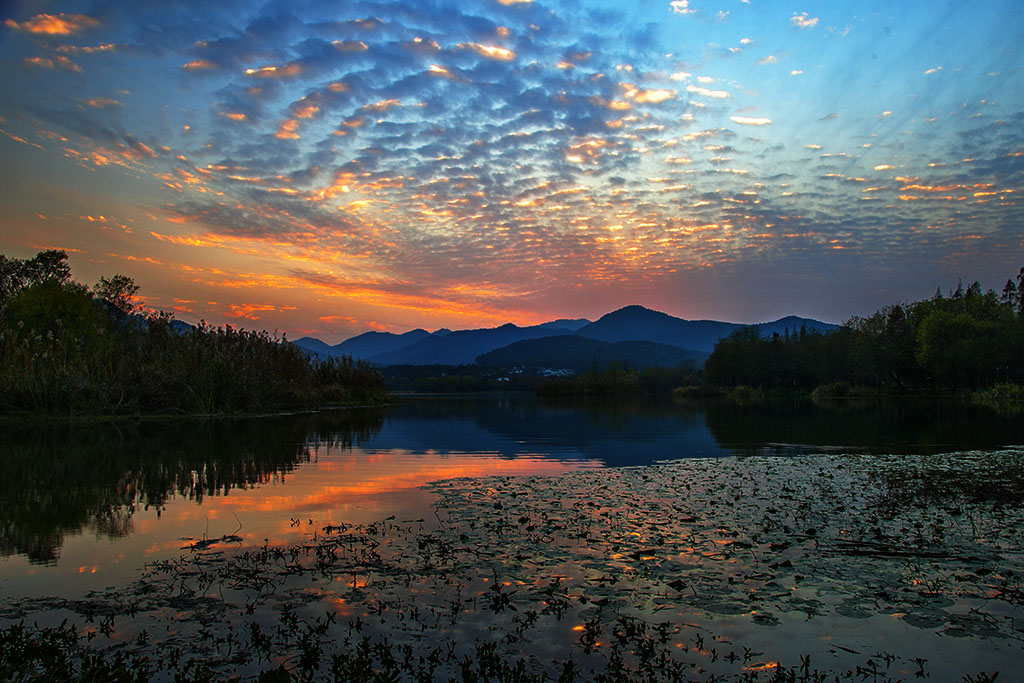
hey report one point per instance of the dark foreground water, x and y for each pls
(86, 510)
(95, 501)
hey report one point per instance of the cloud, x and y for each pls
(681, 7)
(54, 25)
(199, 65)
(102, 103)
(57, 62)
(641, 96)
(271, 71)
(490, 51)
(489, 157)
(802, 20)
(717, 94)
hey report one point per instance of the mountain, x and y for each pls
(576, 353)
(639, 323)
(372, 343)
(462, 346)
(632, 324)
(181, 327)
(571, 324)
(313, 346)
(793, 324)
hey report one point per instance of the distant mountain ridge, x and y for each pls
(579, 354)
(630, 324)
(367, 344)
(637, 322)
(463, 346)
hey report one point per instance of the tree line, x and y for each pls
(68, 349)
(966, 339)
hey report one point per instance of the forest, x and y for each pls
(968, 339)
(70, 350)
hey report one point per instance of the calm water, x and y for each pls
(85, 507)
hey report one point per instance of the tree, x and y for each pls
(18, 274)
(53, 306)
(48, 266)
(1020, 294)
(1010, 295)
(119, 291)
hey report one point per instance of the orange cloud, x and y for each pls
(287, 130)
(249, 311)
(275, 71)
(646, 96)
(58, 62)
(101, 102)
(49, 24)
(199, 65)
(382, 106)
(86, 49)
(490, 51)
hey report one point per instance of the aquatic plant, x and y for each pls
(693, 570)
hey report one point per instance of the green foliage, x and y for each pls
(966, 340)
(63, 353)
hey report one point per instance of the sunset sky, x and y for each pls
(327, 167)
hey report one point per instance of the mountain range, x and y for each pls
(666, 340)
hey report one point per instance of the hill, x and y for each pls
(462, 346)
(632, 323)
(579, 354)
(639, 323)
(371, 343)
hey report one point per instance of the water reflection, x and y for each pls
(612, 433)
(864, 425)
(64, 482)
(64, 479)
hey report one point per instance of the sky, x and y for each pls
(326, 168)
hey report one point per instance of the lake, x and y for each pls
(613, 533)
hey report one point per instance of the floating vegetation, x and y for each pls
(811, 568)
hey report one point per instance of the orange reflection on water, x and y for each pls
(366, 476)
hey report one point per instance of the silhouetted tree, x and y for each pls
(970, 339)
(119, 291)
(1009, 296)
(18, 274)
(1020, 294)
